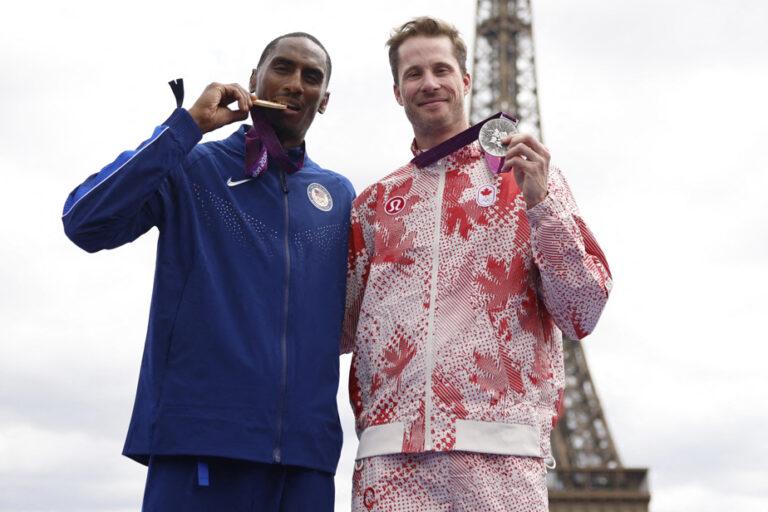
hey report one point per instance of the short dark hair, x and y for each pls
(271, 46)
(430, 27)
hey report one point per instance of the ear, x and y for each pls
(467, 84)
(253, 81)
(398, 97)
(324, 103)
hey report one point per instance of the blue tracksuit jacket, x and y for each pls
(242, 350)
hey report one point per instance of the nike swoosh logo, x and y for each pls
(236, 183)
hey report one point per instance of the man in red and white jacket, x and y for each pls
(461, 280)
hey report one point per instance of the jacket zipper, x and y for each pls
(276, 456)
(432, 307)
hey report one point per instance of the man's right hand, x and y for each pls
(210, 110)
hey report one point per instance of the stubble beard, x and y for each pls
(426, 123)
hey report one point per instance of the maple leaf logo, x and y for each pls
(490, 378)
(494, 378)
(486, 192)
(395, 251)
(461, 217)
(398, 359)
(501, 283)
(495, 285)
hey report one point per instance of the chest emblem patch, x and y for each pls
(486, 196)
(320, 197)
(395, 205)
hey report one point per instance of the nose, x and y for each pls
(430, 82)
(293, 83)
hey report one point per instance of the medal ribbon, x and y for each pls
(459, 141)
(261, 144)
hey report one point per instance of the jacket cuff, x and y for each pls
(548, 208)
(184, 129)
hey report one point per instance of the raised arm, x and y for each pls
(124, 199)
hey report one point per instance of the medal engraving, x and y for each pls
(492, 132)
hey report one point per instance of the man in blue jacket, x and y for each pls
(236, 402)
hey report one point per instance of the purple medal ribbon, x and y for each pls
(261, 143)
(459, 141)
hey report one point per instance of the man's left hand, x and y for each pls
(529, 161)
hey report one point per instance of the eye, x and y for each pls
(281, 67)
(411, 75)
(313, 78)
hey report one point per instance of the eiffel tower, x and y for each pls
(589, 476)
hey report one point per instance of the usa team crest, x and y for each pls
(320, 197)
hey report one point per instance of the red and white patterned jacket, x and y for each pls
(455, 293)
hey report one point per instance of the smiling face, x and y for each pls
(431, 88)
(294, 73)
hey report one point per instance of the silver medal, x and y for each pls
(492, 132)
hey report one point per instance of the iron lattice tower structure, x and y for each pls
(589, 476)
(504, 69)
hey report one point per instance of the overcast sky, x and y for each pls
(655, 110)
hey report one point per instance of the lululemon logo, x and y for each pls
(369, 498)
(395, 205)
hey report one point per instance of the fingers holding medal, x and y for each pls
(529, 161)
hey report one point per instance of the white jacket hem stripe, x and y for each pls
(471, 436)
(498, 438)
(381, 440)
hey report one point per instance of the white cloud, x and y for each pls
(64, 471)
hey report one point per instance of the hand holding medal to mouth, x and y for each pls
(211, 110)
(523, 154)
